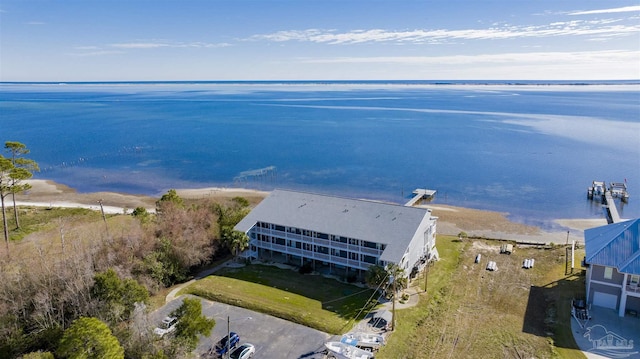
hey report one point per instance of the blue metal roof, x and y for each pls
(615, 245)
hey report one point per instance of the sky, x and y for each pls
(220, 40)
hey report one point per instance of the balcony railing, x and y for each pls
(317, 241)
(633, 288)
(313, 255)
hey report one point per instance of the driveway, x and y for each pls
(274, 338)
(623, 334)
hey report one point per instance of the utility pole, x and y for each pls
(393, 306)
(566, 255)
(62, 239)
(426, 276)
(573, 251)
(228, 337)
(104, 218)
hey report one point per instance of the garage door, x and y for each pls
(605, 300)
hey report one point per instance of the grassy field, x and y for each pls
(471, 312)
(36, 219)
(311, 300)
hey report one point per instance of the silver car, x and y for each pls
(167, 326)
(245, 351)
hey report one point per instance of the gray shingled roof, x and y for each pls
(390, 224)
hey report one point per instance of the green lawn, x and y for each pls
(311, 300)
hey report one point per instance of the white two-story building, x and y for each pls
(341, 234)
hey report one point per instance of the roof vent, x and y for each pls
(345, 210)
(302, 205)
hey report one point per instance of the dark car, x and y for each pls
(222, 347)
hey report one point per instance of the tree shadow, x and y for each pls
(345, 299)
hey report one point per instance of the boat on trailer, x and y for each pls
(366, 341)
(340, 350)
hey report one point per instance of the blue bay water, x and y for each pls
(530, 151)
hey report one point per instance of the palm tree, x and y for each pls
(237, 242)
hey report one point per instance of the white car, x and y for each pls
(167, 326)
(245, 351)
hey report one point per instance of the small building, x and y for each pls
(613, 266)
(343, 235)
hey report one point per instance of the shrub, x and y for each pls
(306, 268)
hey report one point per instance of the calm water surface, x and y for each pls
(527, 150)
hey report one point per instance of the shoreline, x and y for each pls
(451, 219)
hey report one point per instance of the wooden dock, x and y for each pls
(610, 209)
(420, 194)
(615, 190)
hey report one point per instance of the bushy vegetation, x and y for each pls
(66, 264)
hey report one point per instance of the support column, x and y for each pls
(623, 297)
(589, 270)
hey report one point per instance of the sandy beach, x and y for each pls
(451, 220)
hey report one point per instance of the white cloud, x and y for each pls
(87, 48)
(96, 52)
(601, 28)
(607, 11)
(155, 45)
(139, 45)
(526, 57)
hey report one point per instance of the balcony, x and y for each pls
(633, 289)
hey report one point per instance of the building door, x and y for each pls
(605, 300)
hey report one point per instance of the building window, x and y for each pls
(634, 280)
(369, 259)
(370, 244)
(339, 239)
(608, 272)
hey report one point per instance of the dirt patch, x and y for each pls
(483, 246)
(49, 192)
(470, 220)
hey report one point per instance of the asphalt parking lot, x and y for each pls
(274, 338)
